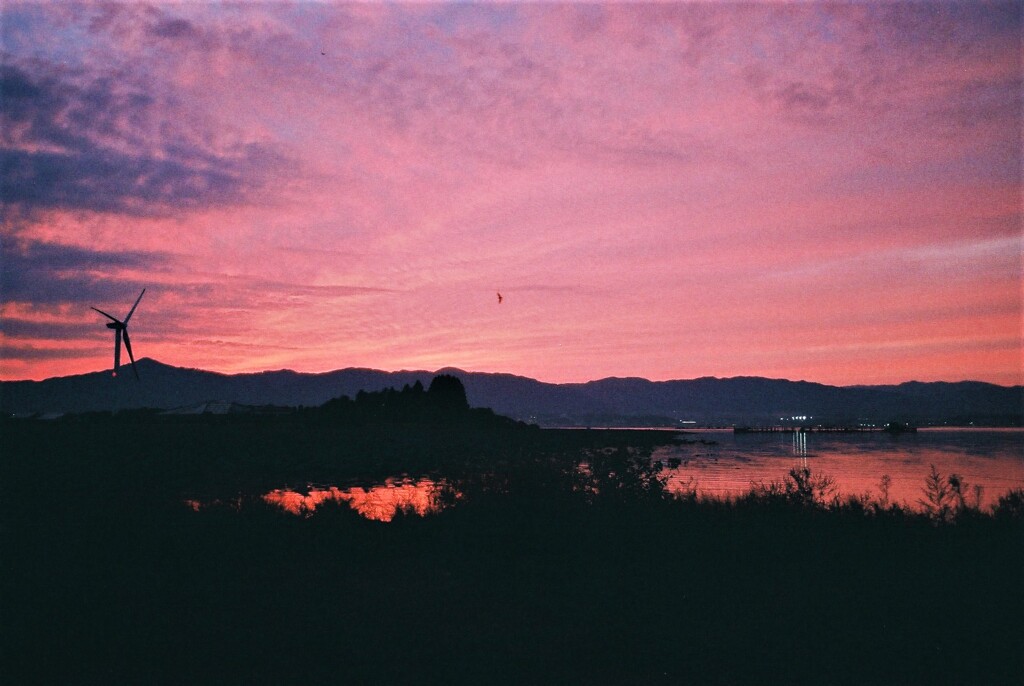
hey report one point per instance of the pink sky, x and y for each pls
(808, 191)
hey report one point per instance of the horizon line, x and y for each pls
(447, 368)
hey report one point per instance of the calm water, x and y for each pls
(722, 463)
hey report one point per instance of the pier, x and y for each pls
(893, 427)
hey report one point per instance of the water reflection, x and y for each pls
(722, 464)
(800, 446)
(991, 459)
(381, 502)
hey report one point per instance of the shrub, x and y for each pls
(939, 496)
(800, 488)
(1010, 506)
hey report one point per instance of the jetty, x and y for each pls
(891, 427)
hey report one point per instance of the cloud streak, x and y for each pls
(46, 273)
(83, 146)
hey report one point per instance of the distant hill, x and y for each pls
(606, 402)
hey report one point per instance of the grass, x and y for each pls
(542, 573)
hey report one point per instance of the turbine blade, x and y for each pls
(134, 306)
(105, 315)
(128, 347)
(117, 350)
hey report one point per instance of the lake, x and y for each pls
(719, 463)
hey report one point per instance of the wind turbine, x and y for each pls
(121, 330)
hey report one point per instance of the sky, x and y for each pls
(827, 192)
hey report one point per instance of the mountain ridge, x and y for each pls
(607, 401)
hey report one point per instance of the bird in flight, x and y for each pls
(500, 298)
(121, 331)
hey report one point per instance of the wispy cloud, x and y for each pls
(95, 143)
(51, 273)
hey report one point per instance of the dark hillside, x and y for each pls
(741, 400)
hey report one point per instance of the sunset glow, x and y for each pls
(829, 192)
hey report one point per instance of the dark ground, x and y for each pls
(109, 578)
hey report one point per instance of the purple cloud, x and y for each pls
(105, 144)
(49, 273)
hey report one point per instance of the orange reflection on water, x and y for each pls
(989, 462)
(379, 503)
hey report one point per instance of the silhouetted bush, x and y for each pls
(799, 488)
(938, 497)
(1010, 507)
(619, 474)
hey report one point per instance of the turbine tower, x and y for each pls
(121, 331)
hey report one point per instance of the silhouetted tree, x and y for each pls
(447, 393)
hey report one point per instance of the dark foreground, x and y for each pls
(536, 575)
